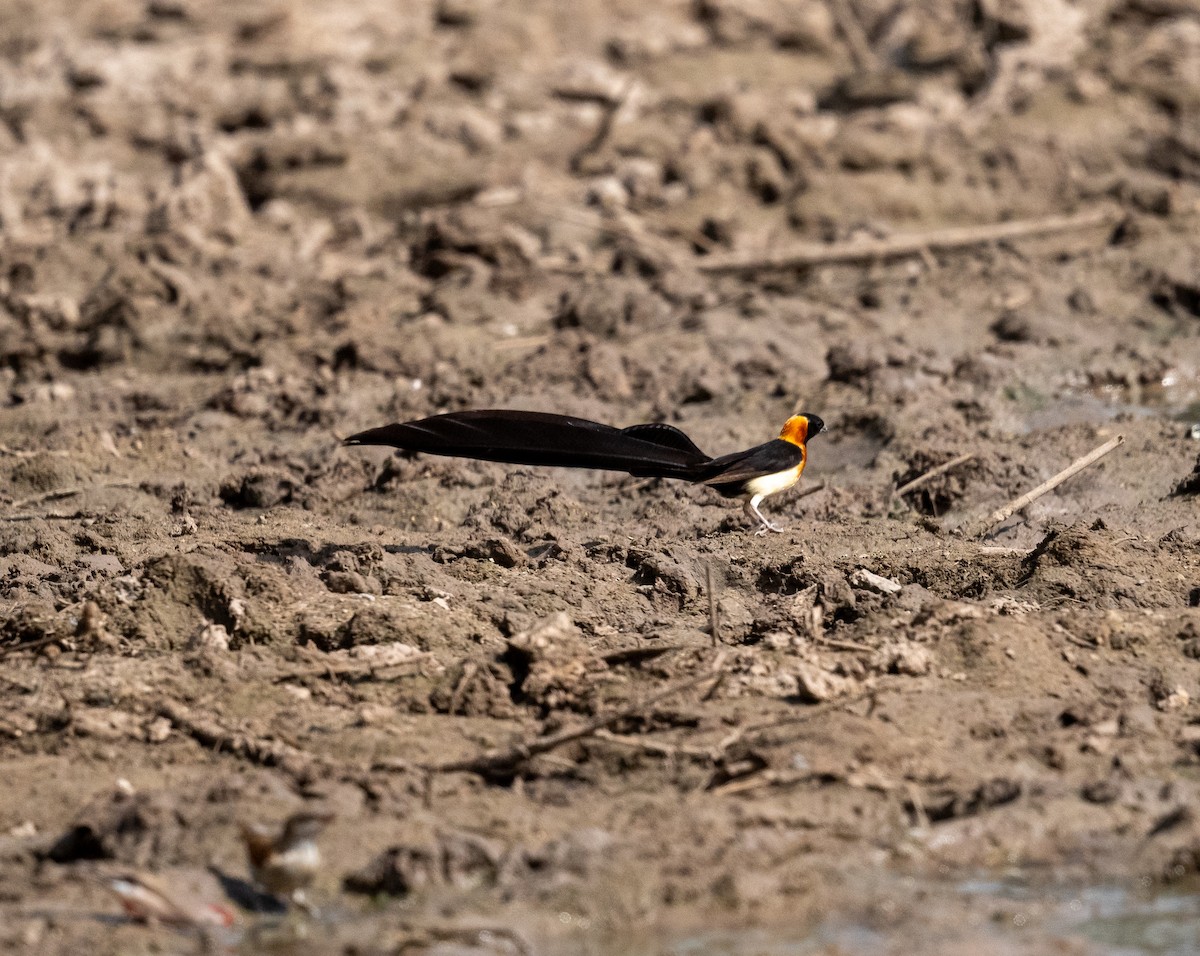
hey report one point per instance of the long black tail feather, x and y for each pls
(538, 438)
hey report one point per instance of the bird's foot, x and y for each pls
(752, 511)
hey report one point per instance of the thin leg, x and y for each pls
(753, 512)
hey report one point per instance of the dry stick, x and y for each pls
(714, 621)
(844, 645)
(635, 655)
(813, 254)
(719, 668)
(521, 342)
(33, 645)
(603, 130)
(855, 36)
(918, 805)
(1003, 514)
(504, 759)
(348, 668)
(47, 516)
(267, 753)
(764, 778)
(629, 227)
(932, 473)
(35, 453)
(741, 733)
(652, 746)
(70, 492)
(470, 669)
(1080, 642)
(811, 490)
(471, 936)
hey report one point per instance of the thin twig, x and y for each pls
(653, 746)
(35, 453)
(911, 244)
(521, 342)
(764, 778)
(1003, 514)
(714, 620)
(351, 668)
(470, 669)
(603, 129)
(472, 936)
(71, 492)
(208, 732)
(504, 759)
(589, 219)
(918, 806)
(865, 60)
(816, 710)
(840, 645)
(719, 667)
(635, 655)
(810, 490)
(33, 645)
(932, 473)
(47, 516)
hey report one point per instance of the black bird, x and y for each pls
(656, 450)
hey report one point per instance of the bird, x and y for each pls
(149, 898)
(655, 450)
(287, 861)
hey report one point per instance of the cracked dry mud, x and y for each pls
(232, 233)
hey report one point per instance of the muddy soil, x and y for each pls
(232, 233)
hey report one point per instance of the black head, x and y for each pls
(815, 425)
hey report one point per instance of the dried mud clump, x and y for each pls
(1082, 563)
(1191, 484)
(34, 622)
(611, 308)
(459, 861)
(941, 493)
(258, 489)
(553, 666)
(133, 828)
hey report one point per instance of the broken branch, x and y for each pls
(502, 760)
(932, 473)
(810, 490)
(1003, 514)
(714, 620)
(71, 492)
(911, 244)
(266, 753)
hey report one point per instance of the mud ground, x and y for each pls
(231, 233)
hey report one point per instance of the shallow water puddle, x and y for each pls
(1001, 917)
(1121, 921)
(1176, 396)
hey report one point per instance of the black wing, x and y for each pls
(539, 438)
(730, 472)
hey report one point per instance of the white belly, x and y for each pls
(759, 488)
